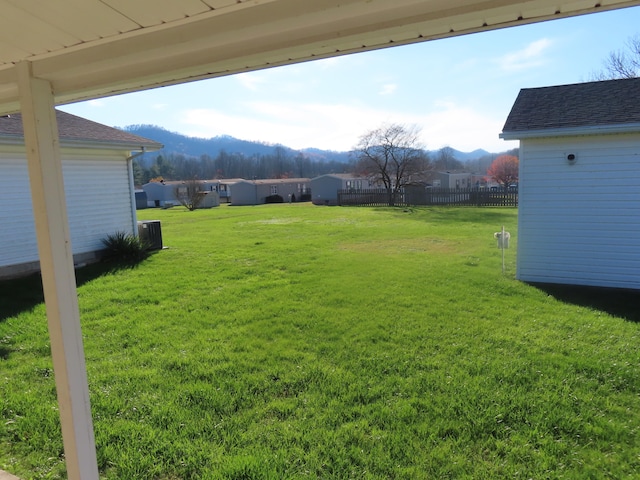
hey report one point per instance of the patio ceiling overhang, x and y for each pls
(71, 50)
(93, 48)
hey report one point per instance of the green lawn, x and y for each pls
(294, 341)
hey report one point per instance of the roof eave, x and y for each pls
(91, 144)
(130, 146)
(571, 131)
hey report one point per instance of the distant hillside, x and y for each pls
(196, 147)
(466, 156)
(317, 154)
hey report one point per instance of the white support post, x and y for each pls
(58, 275)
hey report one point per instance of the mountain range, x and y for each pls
(177, 143)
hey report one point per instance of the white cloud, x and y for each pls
(250, 80)
(531, 56)
(339, 126)
(98, 102)
(388, 89)
(327, 63)
(463, 128)
(335, 127)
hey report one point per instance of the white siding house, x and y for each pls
(165, 193)
(579, 186)
(98, 186)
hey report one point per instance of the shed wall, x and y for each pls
(284, 189)
(243, 193)
(580, 224)
(324, 190)
(162, 194)
(99, 202)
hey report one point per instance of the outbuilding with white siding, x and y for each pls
(96, 164)
(579, 186)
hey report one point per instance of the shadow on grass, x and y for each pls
(25, 293)
(617, 302)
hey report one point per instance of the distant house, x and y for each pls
(452, 180)
(164, 194)
(256, 192)
(289, 189)
(98, 179)
(224, 188)
(325, 187)
(579, 187)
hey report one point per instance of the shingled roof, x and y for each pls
(612, 105)
(73, 129)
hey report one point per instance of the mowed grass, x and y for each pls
(293, 341)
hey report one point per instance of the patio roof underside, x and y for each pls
(93, 48)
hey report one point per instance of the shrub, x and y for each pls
(274, 199)
(125, 247)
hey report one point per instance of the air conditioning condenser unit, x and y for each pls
(150, 232)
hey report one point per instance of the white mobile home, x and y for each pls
(579, 187)
(272, 190)
(160, 194)
(96, 164)
(165, 194)
(452, 180)
(289, 189)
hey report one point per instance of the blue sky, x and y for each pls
(458, 91)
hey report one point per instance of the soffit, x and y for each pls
(93, 48)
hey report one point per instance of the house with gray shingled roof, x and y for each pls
(579, 185)
(98, 178)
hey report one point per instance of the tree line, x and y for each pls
(279, 164)
(284, 164)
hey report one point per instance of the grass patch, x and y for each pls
(293, 341)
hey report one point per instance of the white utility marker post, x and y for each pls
(502, 240)
(58, 276)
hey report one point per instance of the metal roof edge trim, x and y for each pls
(571, 131)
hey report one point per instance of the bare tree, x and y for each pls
(622, 63)
(393, 156)
(446, 160)
(189, 194)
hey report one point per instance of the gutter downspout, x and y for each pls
(132, 190)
